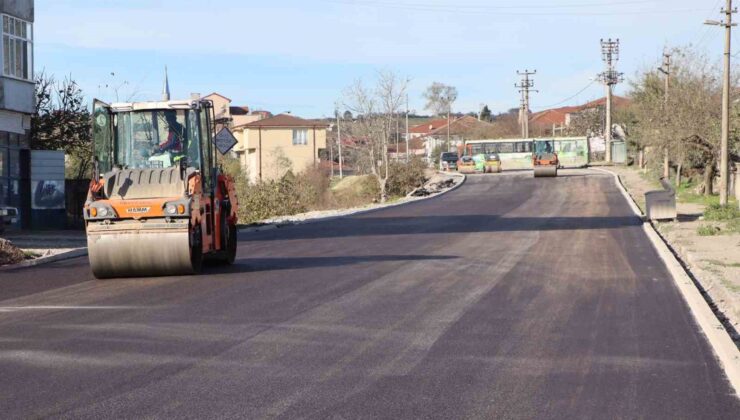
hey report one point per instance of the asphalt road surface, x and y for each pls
(511, 297)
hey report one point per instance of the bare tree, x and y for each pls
(687, 124)
(374, 109)
(440, 98)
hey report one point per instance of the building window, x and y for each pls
(17, 48)
(300, 136)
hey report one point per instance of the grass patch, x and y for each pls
(717, 212)
(708, 230)
(723, 264)
(650, 178)
(733, 226)
(729, 214)
(685, 194)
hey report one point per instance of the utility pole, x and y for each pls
(407, 128)
(666, 69)
(339, 145)
(447, 146)
(398, 134)
(331, 155)
(525, 87)
(610, 77)
(724, 179)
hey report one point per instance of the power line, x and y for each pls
(706, 30)
(499, 7)
(491, 10)
(570, 97)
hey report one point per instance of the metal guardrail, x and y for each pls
(661, 204)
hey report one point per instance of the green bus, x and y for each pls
(517, 153)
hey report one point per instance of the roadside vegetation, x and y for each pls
(313, 189)
(9, 253)
(676, 133)
(726, 218)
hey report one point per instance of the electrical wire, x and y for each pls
(708, 30)
(542, 108)
(523, 10)
(498, 7)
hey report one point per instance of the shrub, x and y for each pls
(312, 186)
(356, 190)
(733, 226)
(9, 253)
(405, 177)
(308, 190)
(707, 230)
(311, 190)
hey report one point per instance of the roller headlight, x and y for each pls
(103, 212)
(170, 209)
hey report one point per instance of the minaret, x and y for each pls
(166, 87)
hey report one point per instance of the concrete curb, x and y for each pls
(720, 340)
(402, 202)
(78, 252)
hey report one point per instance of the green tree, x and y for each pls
(687, 123)
(61, 121)
(485, 114)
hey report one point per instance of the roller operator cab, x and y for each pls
(544, 158)
(157, 203)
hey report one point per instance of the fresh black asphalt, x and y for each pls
(510, 297)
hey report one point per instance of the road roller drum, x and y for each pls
(159, 205)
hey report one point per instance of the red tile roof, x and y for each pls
(617, 101)
(557, 115)
(550, 116)
(428, 126)
(414, 144)
(463, 126)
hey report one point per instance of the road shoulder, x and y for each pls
(719, 338)
(325, 215)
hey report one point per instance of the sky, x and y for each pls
(299, 56)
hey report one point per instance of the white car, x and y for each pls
(8, 215)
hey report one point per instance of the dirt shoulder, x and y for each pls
(714, 259)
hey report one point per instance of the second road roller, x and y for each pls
(158, 204)
(544, 159)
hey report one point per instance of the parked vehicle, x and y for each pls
(492, 163)
(8, 217)
(466, 165)
(448, 161)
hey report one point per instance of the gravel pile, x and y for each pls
(433, 187)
